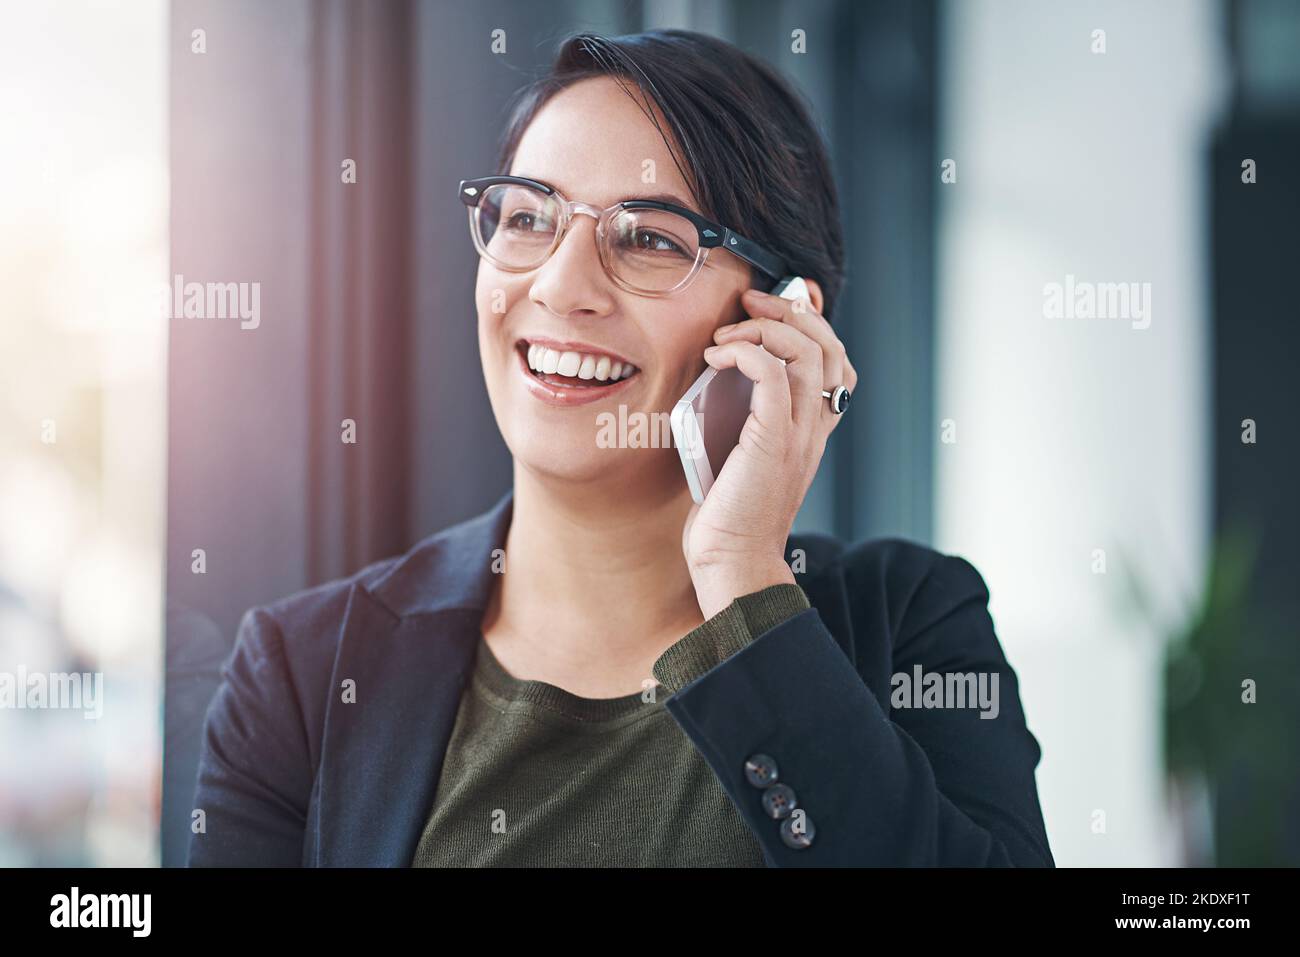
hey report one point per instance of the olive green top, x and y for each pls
(535, 776)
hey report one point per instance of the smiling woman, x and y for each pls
(596, 671)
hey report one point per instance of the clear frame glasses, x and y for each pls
(646, 246)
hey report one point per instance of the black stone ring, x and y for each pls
(839, 399)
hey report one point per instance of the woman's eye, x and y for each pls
(526, 222)
(650, 240)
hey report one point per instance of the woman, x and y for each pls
(597, 671)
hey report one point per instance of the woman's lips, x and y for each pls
(561, 390)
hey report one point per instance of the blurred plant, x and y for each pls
(1217, 736)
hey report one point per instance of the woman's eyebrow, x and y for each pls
(672, 198)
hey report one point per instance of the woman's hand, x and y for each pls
(735, 542)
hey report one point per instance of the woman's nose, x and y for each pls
(573, 281)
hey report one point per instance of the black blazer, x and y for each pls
(291, 775)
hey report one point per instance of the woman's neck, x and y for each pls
(595, 586)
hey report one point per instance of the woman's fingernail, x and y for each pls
(710, 349)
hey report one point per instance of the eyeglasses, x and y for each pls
(647, 247)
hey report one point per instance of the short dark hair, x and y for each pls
(753, 158)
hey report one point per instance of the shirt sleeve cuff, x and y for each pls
(720, 637)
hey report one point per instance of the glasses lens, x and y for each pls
(650, 249)
(516, 225)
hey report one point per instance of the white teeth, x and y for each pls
(577, 364)
(569, 363)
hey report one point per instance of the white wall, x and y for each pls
(1078, 434)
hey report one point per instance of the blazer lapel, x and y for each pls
(405, 650)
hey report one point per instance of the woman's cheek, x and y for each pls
(490, 294)
(482, 301)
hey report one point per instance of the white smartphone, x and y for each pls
(707, 420)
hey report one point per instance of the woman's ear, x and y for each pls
(815, 295)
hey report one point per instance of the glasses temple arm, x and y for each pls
(754, 254)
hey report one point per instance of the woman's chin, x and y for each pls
(583, 462)
(570, 472)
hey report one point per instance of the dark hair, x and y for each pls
(752, 156)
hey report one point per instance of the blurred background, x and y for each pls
(1125, 484)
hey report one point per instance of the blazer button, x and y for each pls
(760, 770)
(798, 835)
(779, 801)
